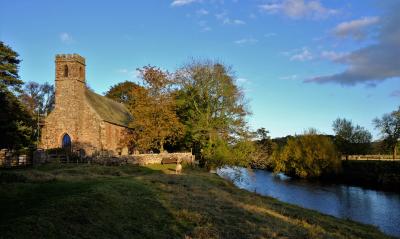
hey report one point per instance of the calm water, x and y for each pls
(378, 208)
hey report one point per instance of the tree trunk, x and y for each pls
(161, 145)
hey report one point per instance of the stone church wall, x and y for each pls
(73, 115)
(111, 136)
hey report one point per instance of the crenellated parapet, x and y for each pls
(70, 57)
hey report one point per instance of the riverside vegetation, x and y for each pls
(198, 108)
(93, 201)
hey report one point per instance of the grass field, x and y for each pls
(91, 201)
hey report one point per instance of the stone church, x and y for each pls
(82, 121)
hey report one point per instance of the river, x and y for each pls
(374, 207)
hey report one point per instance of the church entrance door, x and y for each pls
(66, 142)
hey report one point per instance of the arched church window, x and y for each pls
(65, 71)
(66, 142)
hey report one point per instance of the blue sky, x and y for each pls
(302, 63)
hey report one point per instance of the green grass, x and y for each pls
(91, 201)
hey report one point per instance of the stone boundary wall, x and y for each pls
(144, 159)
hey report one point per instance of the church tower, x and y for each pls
(70, 79)
(70, 87)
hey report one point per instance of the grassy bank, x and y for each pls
(90, 201)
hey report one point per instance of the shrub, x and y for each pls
(307, 155)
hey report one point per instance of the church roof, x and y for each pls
(109, 110)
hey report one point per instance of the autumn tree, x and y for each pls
(351, 139)
(211, 107)
(389, 125)
(125, 92)
(152, 106)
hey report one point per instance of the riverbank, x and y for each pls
(371, 173)
(91, 201)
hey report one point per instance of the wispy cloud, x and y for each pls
(204, 26)
(289, 77)
(179, 3)
(373, 63)
(242, 80)
(202, 12)
(395, 93)
(270, 34)
(297, 9)
(332, 55)
(303, 55)
(133, 74)
(226, 20)
(66, 38)
(355, 28)
(233, 21)
(243, 41)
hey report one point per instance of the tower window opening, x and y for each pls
(65, 71)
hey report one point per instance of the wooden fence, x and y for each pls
(384, 157)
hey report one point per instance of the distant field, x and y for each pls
(91, 201)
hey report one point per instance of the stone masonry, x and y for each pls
(92, 122)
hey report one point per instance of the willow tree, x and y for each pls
(211, 105)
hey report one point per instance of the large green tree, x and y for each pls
(211, 106)
(351, 139)
(16, 124)
(389, 125)
(9, 62)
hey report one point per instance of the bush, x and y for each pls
(308, 155)
(242, 153)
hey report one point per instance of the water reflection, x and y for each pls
(363, 205)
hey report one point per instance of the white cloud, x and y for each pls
(242, 80)
(204, 26)
(270, 34)
(66, 38)
(221, 15)
(297, 9)
(134, 74)
(395, 93)
(289, 77)
(332, 55)
(303, 55)
(179, 3)
(355, 28)
(202, 12)
(229, 21)
(243, 41)
(226, 20)
(373, 63)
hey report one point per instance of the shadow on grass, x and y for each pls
(107, 203)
